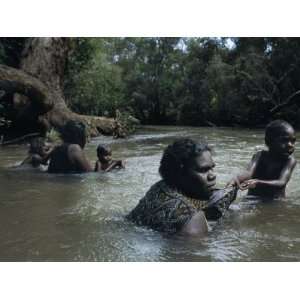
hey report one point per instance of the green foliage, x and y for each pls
(187, 81)
(93, 85)
(151, 72)
(53, 136)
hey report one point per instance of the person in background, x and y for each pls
(70, 157)
(105, 162)
(38, 153)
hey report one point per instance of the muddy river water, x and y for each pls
(46, 217)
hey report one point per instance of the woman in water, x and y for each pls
(186, 197)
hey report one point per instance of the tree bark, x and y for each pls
(39, 85)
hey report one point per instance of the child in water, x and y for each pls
(38, 153)
(270, 170)
(105, 162)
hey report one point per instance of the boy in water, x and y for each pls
(38, 153)
(270, 170)
(105, 162)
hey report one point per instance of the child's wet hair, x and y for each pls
(73, 132)
(176, 156)
(102, 150)
(274, 129)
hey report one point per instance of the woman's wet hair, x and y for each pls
(176, 156)
(36, 145)
(274, 129)
(102, 150)
(73, 132)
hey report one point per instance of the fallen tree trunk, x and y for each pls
(45, 105)
(39, 88)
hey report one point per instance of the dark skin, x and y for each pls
(70, 157)
(40, 158)
(106, 163)
(269, 171)
(77, 157)
(197, 181)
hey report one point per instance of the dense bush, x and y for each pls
(187, 81)
(93, 84)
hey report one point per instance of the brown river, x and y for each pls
(46, 217)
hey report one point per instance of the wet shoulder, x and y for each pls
(263, 160)
(261, 154)
(59, 149)
(163, 209)
(74, 148)
(161, 190)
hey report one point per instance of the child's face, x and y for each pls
(284, 143)
(106, 157)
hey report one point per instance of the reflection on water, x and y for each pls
(81, 217)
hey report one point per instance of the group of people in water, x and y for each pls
(186, 197)
(69, 157)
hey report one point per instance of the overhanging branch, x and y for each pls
(289, 101)
(16, 81)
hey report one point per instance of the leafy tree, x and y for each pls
(188, 81)
(94, 83)
(151, 70)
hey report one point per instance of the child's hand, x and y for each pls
(122, 164)
(249, 184)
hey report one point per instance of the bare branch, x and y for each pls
(289, 101)
(259, 88)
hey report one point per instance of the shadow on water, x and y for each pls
(81, 217)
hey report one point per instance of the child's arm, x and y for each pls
(245, 175)
(281, 182)
(114, 164)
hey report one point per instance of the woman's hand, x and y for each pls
(233, 182)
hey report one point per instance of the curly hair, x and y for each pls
(176, 156)
(274, 129)
(73, 132)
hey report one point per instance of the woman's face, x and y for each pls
(198, 178)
